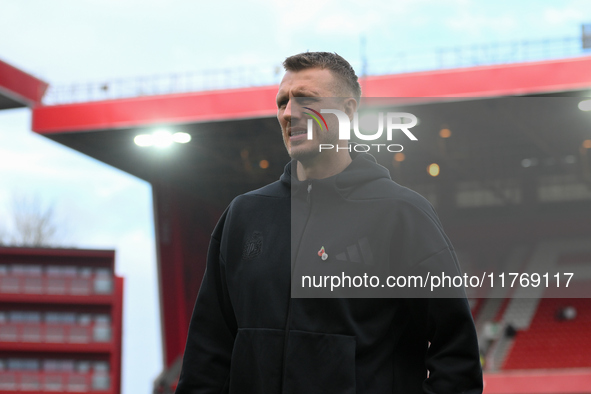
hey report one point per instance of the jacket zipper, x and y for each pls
(292, 269)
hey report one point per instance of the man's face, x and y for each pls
(312, 88)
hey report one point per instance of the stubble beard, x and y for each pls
(312, 151)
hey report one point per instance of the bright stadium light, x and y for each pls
(585, 105)
(433, 169)
(144, 140)
(181, 138)
(264, 164)
(445, 133)
(162, 138)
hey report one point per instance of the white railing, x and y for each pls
(395, 62)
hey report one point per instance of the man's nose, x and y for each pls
(293, 111)
(287, 112)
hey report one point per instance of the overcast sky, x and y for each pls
(71, 41)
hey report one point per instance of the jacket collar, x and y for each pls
(362, 170)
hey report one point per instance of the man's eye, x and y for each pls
(306, 100)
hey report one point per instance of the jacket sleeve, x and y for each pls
(453, 357)
(206, 362)
(445, 325)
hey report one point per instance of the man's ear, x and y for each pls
(350, 105)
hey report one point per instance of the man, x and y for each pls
(247, 333)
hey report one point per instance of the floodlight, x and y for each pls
(181, 138)
(144, 140)
(162, 138)
(585, 105)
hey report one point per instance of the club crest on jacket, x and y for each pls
(253, 246)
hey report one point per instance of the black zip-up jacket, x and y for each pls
(247, 335)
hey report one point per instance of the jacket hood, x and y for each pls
(362, 170)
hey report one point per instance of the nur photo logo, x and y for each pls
(394, 121)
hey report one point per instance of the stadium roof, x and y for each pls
(19, 89)
(562, 75)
